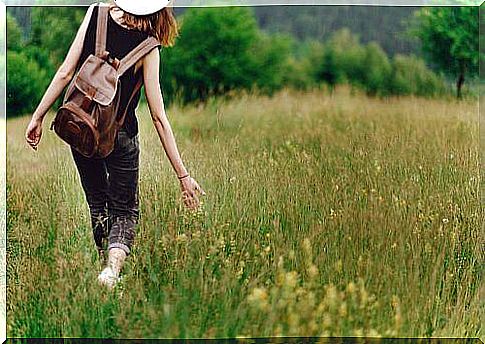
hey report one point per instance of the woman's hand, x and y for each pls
(189, 188)
(34, 132)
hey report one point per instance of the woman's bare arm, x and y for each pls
(151, 67)
(66, 70)
(62, 77)
(153, 94)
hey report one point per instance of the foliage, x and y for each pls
(221, 51)
(297, 75)
(342, 59)
(411, 76)
(301, 72)
(54, 29)
(271, 56)
(367, 67)
(212, 55)
(375, 70)
(30, 71)
(26, 82)
(449, 37)
(383, 24)
(41, 57)
(14, 34)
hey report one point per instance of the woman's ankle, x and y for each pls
(116, 259)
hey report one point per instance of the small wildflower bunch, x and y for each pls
(296, 306)
(193, 220)
(311, 269)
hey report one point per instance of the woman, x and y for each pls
(111, 184)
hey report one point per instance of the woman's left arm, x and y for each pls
(62, 77)
(154, 97)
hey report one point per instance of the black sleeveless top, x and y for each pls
(119, 42)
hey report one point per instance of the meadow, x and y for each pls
(325, 214)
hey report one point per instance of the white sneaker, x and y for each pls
(108, 278)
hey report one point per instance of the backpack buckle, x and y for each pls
(88, 100)
(113, 61)
(86, 103)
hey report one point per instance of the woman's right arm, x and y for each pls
(59, 82)
(153, 94)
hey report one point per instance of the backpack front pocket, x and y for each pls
(76, 127)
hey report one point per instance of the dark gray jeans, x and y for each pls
(111, 188)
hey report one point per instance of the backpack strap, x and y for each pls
(129, 60)
(101, 29)
(137, 87)
(133, 56)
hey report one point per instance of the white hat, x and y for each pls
(141, 7)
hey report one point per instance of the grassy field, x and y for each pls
(324, 215)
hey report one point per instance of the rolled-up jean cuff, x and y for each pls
(120, 245)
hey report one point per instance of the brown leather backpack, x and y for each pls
(88, 120)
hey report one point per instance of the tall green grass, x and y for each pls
(325, 215)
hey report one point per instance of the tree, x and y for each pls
(376, 70)
(271, 54)
(342, 60)
(54, 29)
(449, 37)
(304, 65)
(14, 34)
(25, 83)
(410, 75)
(212, 54)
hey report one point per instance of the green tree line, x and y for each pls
(222, 50)
(315, 22)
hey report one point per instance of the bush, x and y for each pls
(41, 57)
(345, 60)
(298, 75)
(212, 55)
(411, 76)
(54, 29)
(302, 71)
(271, 54)
(14, 34)
(342, 60)
(376, 70)
(26, 82)
(331, 71)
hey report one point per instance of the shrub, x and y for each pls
(411, 76)
(212, 55)
(342, 60)
(303, 66)
(41, 57)
(54, 29)
(26, 82)
(298, 74)
(271, 55)
(14, 34)
(376, 70)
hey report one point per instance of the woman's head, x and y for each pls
(161, 24)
